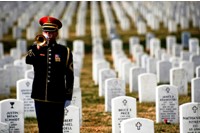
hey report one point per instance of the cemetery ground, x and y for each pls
(95, 119)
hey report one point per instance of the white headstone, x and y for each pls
(22, 46)
(116, 46)
(98, 66)
(71, 122)
(1, 50)
(139, 59)
(159, 52)
(8, 59)
(123, 108)
(172, 27)
(147, 83)
(195, 89)
(149, 36)
(194, 46)
(4, 83)
(189, 117)
(120, 65)
(141, 28)
(137, 125)
(137, 48)
(175, 61)
(196, 60)
(126, 66)
(166, 104)
(24, 89)
(114, 87)
(151, 63)
(16, 32)
(78, 47)
(176, 50)
(133, 80)
(144, 59)
(184, 22)
(185, 55)
(118, 56)
(178, 77)
(197, 71)
(77, 101)
(165, 57)
(103, 75)
(63, 32)
(189, 68)
(163, 69)
(14, 73)
(12, 113)
(154, 44)
(132, 41)
(15, 53)
(170, 41)
(29, 74)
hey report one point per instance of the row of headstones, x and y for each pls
(67, 19)
(108, 19)
(110, 86)
(100, 63)
(26, 18)
(15, 52)
(131, 9)
(69, 9)
(125, 120)
(95, 20)
(10, 12)
(173, 49)
(170, 41)
(140, 12)
(116, 87)
(126, 66)
(12, 117)
(155, 13)
(81, 19)
(121, 15)
(166, 96)
(33, 11)
(12, 66)
(10, 73)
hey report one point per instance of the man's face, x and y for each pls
(51, 36)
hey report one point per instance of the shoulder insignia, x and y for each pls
(30, 53)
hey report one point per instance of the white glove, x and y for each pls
(67, 103)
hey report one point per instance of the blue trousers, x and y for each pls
(50, 116)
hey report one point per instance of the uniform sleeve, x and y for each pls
(69, 75)
(31, 55)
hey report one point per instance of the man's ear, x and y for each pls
(56, 33)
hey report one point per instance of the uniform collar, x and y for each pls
(52, 44)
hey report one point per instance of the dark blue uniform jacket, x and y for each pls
(53, 68)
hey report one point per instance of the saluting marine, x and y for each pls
(54, 77)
